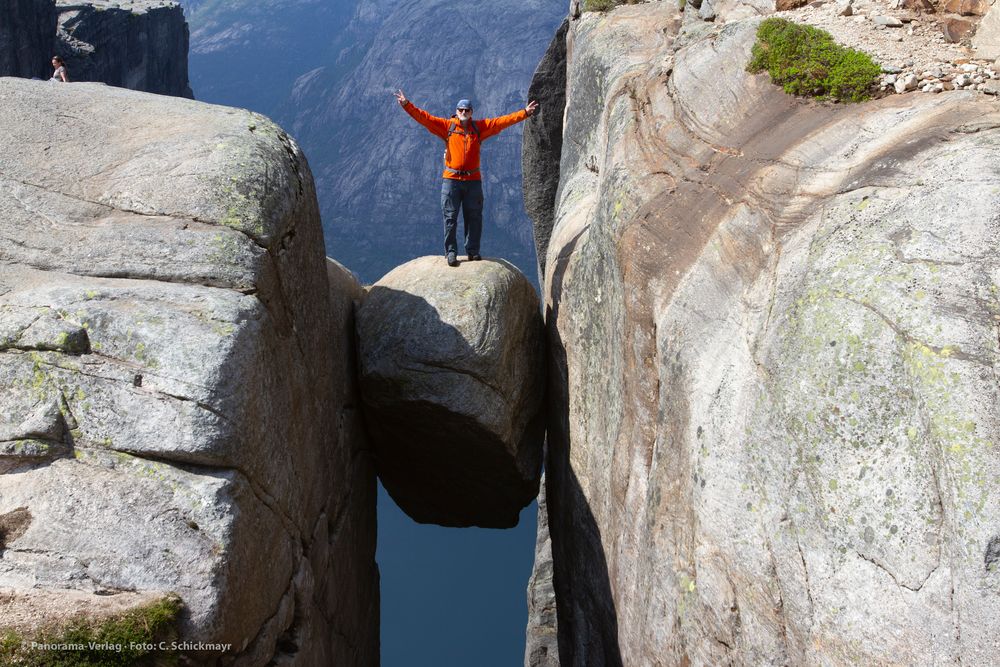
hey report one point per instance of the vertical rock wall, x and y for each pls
(142, 45)
(773, 330)
(26, 31)
(180, 412)
(542, 142)
(542, 641)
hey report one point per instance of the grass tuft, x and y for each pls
(605, 5)
(806, 61)
(130, 638)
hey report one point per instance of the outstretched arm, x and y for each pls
(491, 126)
(436, 126)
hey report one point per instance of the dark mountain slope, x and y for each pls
(326, 72)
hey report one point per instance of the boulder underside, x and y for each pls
(452, 377)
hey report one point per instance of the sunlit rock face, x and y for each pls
(773, 333)
(179, 409)
(452, 379)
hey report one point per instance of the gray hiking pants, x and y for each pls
(467, 196)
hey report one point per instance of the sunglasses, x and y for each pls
(464, 110)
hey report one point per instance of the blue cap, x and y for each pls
(463, 104)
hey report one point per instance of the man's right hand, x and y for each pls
(401, 98)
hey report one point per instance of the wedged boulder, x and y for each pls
(174, 416)
(452, 378)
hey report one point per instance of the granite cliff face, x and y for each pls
(26, 30)
(774, 343)
(180, 412)
(142, 45)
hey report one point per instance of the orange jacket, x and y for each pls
(461, 151)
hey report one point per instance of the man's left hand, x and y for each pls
(531, 108)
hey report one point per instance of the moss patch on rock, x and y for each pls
(804, 60)
(130, 638)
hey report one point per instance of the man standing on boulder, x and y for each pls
(463, 186)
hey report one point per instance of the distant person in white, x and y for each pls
(60, 70)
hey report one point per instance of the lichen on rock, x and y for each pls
(177, 414)
(773, 336)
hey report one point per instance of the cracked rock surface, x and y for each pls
(773, 328)
(178, 412)
(452, 378)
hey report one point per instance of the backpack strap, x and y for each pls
(453, 128)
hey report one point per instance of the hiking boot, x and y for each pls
(452, 260)
(475, 258)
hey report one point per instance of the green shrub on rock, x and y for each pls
(605, 5)
(806, 61)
